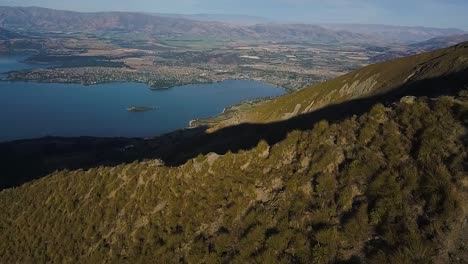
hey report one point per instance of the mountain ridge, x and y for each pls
(406, 34)
(43, 19)
(440, 42)
(245, 20)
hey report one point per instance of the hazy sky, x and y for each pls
(439, 13)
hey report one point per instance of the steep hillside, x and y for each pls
(386, 184)
(410, 75)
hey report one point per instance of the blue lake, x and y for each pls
(32, 110)
(15, 63)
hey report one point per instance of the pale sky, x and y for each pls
(436, 13)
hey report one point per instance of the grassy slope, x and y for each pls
(370, 80)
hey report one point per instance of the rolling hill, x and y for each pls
(367, 168)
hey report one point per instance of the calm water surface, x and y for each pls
(32, 110)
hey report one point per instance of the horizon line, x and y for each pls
(238, 14)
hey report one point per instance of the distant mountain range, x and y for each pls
(428, 45)
(304, 32)
(230, 19)
(203, 25)
(47, 20)
(440, 42)
(42, 19)
(398, 33)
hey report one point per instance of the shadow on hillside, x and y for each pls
(23, 161)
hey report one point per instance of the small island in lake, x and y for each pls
(141, 108)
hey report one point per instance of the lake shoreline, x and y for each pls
(8, 78)
(40, 108)
(72, 110)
